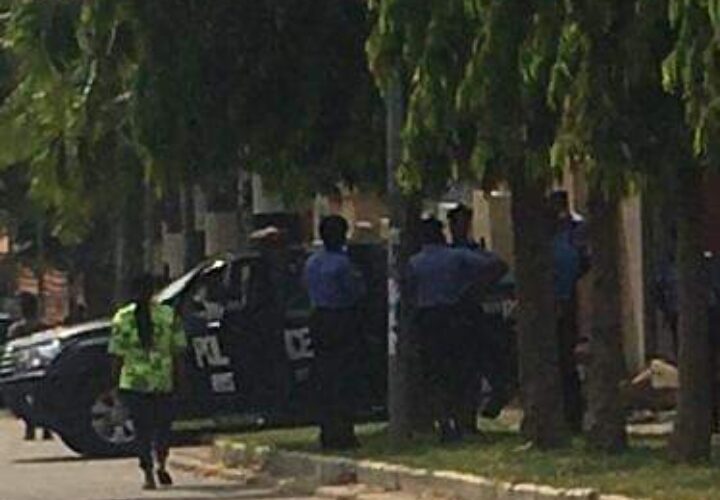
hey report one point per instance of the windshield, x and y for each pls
(170, 292)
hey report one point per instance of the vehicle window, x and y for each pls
(208, 295)
(174, 290)
(238, 285)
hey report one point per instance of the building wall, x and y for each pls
(492, 221)
(633, 282)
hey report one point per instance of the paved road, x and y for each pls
(48, 471)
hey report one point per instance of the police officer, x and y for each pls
(438, 276)
(28, 324)
(335, 291)
(486, 355)
(571, 261)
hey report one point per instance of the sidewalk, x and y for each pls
(208, 462)
(496, 467)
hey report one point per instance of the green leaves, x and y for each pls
(62, 109)
(476, 74)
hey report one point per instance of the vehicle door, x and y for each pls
(270, 336)
(297, 350)
(213, 382)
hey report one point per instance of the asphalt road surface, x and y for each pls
(48, 471)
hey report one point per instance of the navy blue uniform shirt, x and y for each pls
(569, 256)
(332, 281)
(439, 275)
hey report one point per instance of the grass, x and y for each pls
(643, 471)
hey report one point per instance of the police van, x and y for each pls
(246, 316)
(249, 353)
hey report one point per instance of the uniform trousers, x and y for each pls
(487, 348)
(443, 360)
(152, 415)
(567, 329)
(335, 336)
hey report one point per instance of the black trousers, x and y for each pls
(336, 341)
(487, 349)
(444, 361)
(567, 330)
(152, 416)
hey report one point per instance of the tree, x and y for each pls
(475, 75)
(596, 132)
(691, 72)
(184, 91)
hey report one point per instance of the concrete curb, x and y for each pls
(306, 472)
(209, 469)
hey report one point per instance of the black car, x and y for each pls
(249, 352)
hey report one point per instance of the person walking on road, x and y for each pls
(28, 324)
(487, 353)
(335, 289)
(148, 343)
(438, 276)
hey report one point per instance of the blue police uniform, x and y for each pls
(569, 262)
(438, 277)
(335, 290)
(488, 351)
(332, 281)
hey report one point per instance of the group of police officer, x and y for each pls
(446, 283)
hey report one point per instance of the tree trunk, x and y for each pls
(691, 440)
(221, 221)
(402, 351)
(193, 238)
(606, 369)
(541, 391)
(149, 228)
(244, 208)
(119, 262)
(399, 399)
(173, 238)
(650, 274)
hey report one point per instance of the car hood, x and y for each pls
(60, 333)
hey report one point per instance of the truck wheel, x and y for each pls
(105, 429)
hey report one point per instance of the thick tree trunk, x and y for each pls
(650, 272)
(411, 410)
(93, 260)
(541, 390)
(691, 439)
(606, 369)
(399, 395)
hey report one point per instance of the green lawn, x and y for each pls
(643, 471)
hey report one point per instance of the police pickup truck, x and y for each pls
(249, 353)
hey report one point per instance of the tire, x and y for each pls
(102, 428)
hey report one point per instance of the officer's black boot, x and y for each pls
(29, 432)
